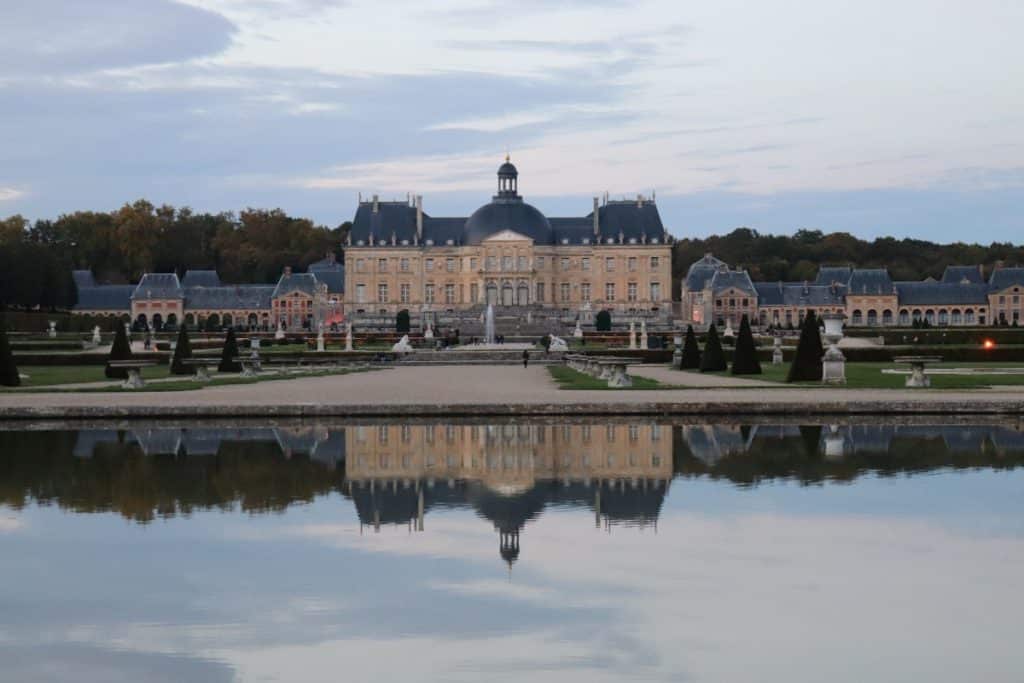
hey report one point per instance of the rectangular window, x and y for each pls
(564, 289)
(631, 292)
(449, 265)
(540, 262)
(506, 263)
(609, 291)
(449, 294)
(403, 265)
(382, 293)
(429, 265)
(743, 302)
(403, 293)
(585, 291)
(492, 263)
(428, 294)
(474, 293)
(360, 293)
(585, 263)
(540, 292)
(632, 264)
(565, 263)
(382, 265)
(609, 264)
(654, 263)
(473, 263)
(360, 265)
(522, 264)
(655, 292)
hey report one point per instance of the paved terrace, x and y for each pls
(500, 390)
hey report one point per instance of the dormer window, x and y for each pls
(585, 240)
(450, 242)
(405, 243)
(429, 243)
(632, 240)
(611, 240)
(565, 240)
(360, 243)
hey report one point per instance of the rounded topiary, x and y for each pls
(9, 376)
(713, 357)
(182, 351)
(120, 350)
(402, 323)
(744, 358)
(691, 351)
(603, 321)
(806, 366)
(229, 354)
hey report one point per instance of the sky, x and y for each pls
(873, 117)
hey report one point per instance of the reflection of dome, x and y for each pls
(509, 489)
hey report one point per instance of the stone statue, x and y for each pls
(632, 336)
(320, 338)
(403, 345)
(279, 334)
(348, 336)
(643, 334)
(96, 338)
(53, 330)
(578, 332)
(777, 352)
(558, 345)
(428, 333)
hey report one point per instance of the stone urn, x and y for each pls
(833, 365)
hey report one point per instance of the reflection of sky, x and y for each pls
(906, 578)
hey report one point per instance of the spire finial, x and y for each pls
(508, 157)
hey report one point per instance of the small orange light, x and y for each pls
(988, 344)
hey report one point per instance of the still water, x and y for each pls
(610, 551)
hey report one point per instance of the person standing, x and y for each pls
(526, 357)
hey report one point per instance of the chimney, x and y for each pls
(419, 218)
(639, 201)
(597, 218)
(287, 271)
(375, 204)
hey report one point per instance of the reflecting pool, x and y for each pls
(539, 550)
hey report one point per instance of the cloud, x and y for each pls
(69, 36)
(10, 525)
(9, 194)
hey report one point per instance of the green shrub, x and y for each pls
(402, 324)
(8, 370)
(806, 366)
(713, 357)
(744, 359)
(691, 351)
(229, 354)
(182, 351)
(603, 321)
(120, 350)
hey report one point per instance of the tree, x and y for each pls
(744, 358)
(713, 358)
(182, 351)
(691, 351)
(402, 323)
(9, 376)
(229, 354)
(806, 366)
(603, 321)
(120, 350)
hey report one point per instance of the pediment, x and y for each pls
(508, 236)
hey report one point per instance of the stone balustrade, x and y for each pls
(609, 368)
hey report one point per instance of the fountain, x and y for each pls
(489, 325)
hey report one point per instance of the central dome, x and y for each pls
(507, 214)
(507, 211)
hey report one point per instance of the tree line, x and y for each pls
(797, 257)
(36, 259)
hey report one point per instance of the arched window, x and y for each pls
(858, 318)
(158, 322)
(887, 317)
(918, 317)
(523, 294)
(969, 316)
(872, 317)
(172, 320)
(929, 316)
(955, 317)
(943, 316)
(190, 320)
(904, 318)
(228, 320)
(253, 321)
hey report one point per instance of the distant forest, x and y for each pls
(770, 258)
(36, 260)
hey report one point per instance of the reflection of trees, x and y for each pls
(252, 475)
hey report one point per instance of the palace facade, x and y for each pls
(509, 254)
(868, 297)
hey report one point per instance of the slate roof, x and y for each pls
(83, 278)
(799, 294)
(105, 298)
(702, 271)
(830, 274)
(1006, 277)
(940, 293)
(628, 221)
(201, 278)
(229, 297)
(869, 281)
(957, 274)
(159, 286)
(738, 279)
(303, 282)
(334, 279)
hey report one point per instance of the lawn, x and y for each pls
(567, 378)
(870, 376)
(49, 375)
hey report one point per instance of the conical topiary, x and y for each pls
(182, 350)
(806, 365)
(691, 351)
(8, 370)
(120, 350)
(744, 357)
(713, 357)
(229, 354)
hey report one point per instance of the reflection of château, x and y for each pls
(508, 473)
